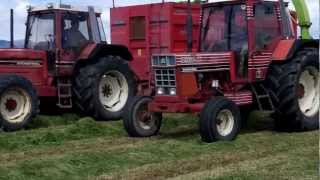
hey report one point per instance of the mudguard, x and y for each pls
(287, 49)
(93, 51)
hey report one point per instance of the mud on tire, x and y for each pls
(102, 89)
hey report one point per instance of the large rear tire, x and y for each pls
(220, 119)
(295, 90)
(103, 89)
(139, 121)
(19, 102)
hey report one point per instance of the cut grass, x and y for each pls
(86, 149)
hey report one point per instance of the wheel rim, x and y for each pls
(308, 91)
(113, 91)
(15, 105)
(225, 122)
(144, 117)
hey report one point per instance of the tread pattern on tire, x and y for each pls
(85, 82)
(281, 81)
(206, 119)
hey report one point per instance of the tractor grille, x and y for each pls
(165, 78)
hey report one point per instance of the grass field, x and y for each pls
(68, 147)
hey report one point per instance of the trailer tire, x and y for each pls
(295, 85)
(138, 121)
(102, 89)
(220, 119)
(19, 102)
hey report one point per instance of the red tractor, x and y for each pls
(249, 57)
(66, 59)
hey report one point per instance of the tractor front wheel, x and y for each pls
(18, 102)
(102, 89)
(139, 121)
(220, 119)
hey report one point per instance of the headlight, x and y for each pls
(160, 91)
(163, 60)
(172, 91)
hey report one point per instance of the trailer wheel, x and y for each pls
(138, 121)
(18, 102)
(297, 92)
(102, 89)
(220, 119)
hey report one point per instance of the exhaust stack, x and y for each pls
(11, 29)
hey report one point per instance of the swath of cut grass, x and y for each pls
(43, 121)
(86, 149)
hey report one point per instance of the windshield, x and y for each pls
(224, 28)
(40, 32)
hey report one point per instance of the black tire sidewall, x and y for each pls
(208, 121)
(17, 81)
(89, 100)
(131, 122)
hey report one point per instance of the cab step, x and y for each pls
(262, 97)
(64, 93)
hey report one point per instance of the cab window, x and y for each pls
(267, 28)
(101, 30)
(40, 32)
(75, 30)
(224, 28)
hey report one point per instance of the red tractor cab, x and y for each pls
(66, 59)
(249, 57)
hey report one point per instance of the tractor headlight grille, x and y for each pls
(163, 60)
(165, 80)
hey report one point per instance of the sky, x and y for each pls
(19, 7)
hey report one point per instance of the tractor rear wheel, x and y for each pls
(18, 102)
(295, 88)
(139, 121)
(220, 119)
(102, 89)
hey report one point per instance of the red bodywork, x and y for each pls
(195, 72)
(152, 29)
(34, 64)
(31, 64)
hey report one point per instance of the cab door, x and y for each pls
(265, 35)
(74, 36)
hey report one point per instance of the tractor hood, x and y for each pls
(196, 62)
(21, 54)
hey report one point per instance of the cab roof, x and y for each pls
(64, 7)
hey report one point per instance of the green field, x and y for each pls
(68, 147)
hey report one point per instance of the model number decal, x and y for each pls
(188, 60)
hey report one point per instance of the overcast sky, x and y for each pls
(20, 12)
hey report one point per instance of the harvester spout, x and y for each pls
(303, 18)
